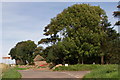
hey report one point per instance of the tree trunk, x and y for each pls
(82, 60)
(63, 61)
(102, 59)
(79, 61)
(16, 62)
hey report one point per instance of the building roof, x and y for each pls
(38, 58)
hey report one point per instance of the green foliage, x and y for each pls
(79, 33)
(117, 14)
(76, 16)
(23, 51)
(114, 49)
(38, 51)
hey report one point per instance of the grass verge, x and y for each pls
(97, 71)
(11, 74)
(104, 71)
(17, 68)
(77, 67)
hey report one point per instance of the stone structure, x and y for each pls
(39, 60)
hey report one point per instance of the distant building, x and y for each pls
(39, 60)
(6, 60)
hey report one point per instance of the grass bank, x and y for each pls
(3, 67)
(11, 74)
(77, 67)
(97, 71)
(105, 71)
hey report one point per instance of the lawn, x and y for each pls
(97, 71)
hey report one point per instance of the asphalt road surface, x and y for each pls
(52, 74)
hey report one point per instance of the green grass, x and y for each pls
(11, 74)
(97, 71)
(78, 67)
(104, 71)
(17, 68)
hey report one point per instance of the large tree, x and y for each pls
(76, 16)
(82, 31)
(23, 52)
(117, 14)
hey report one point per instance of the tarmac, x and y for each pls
(36, 74)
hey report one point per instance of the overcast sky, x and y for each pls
(26, 20)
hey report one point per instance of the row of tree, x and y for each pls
(79, 34)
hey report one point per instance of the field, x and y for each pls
(97, 71)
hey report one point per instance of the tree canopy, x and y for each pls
(23, 52)
(79, 33)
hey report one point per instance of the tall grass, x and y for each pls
(3, 67)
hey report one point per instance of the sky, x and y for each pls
(26, 20)
(59, 0)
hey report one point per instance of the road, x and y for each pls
(52, 74)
